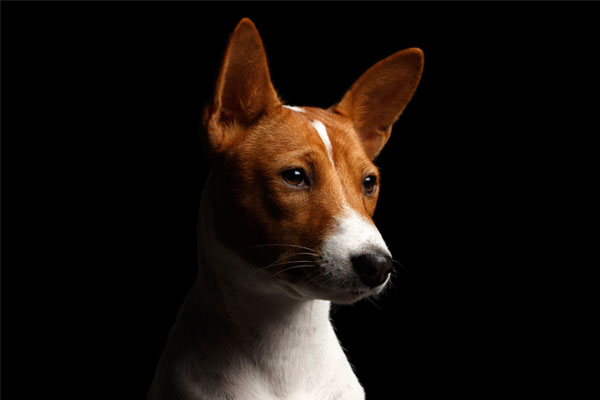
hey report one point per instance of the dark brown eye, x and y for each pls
(295, 177)
(370, 184)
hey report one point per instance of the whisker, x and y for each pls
(373, 302)
(291, 262)
(299, 254)
(324, 279)
(321, 275)
(302, 281)
(294, 267)
(277, 262)
(284, 245)
(401, 266)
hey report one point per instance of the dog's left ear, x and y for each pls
(379, 96)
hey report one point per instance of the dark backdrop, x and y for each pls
(102, 171)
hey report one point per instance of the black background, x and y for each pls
(102, 171)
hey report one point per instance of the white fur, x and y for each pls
(353, 234)
(240, 335)
(322, 131)
(350, 235)
(297, 109)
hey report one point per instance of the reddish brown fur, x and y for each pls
(378, 97)
(251, 139)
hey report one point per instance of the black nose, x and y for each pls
(373, 268)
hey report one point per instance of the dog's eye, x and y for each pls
(295, 177)
(370, 184)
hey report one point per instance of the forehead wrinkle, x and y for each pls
(317, 126)
(297, 154)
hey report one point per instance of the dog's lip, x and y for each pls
(346, 294)
(350, 289)
(333, 292)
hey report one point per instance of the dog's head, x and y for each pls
(297, 187)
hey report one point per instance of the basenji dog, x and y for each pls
(285, 229)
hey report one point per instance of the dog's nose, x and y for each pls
(373, 268)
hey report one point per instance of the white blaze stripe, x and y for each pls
(324, 137)
(297, 109)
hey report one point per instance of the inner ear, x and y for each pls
(376, 100)
(244, 86)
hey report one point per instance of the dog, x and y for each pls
(285, 229)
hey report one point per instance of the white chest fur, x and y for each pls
(301, 360)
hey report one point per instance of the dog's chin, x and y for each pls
(345, 296)
(336, 293)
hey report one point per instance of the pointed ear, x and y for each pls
(379, 96)
(244, 91)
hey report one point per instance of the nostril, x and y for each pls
(372, 268)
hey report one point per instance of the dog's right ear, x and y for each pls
(243, 92)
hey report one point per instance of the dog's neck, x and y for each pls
(240, 307)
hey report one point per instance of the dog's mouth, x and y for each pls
(339, 292)
(306, 273)
(325, 282)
